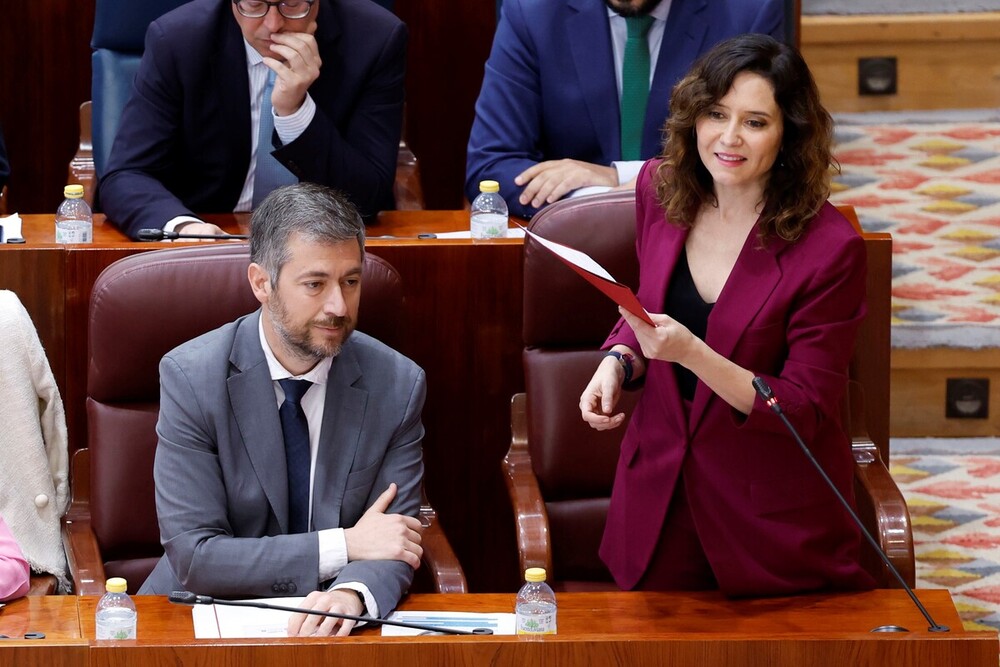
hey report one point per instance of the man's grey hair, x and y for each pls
(316, 213)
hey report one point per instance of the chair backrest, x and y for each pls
(119, 34)
(566, 320)
(142, 307)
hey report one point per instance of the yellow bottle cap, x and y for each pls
(116, 585)
(534, 574)
(489, 186)
(73, 191)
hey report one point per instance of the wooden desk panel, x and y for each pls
(463, 318)
(58, 617)
(599, 629)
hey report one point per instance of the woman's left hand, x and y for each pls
(667, 341)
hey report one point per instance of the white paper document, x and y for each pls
(215, 621)
(500, 624)
(512, 233)
(11, 226)
(225, 622)
(595, 274)
(574, 257)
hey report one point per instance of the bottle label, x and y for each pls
(74, 231)
(536, 623)
(116, 628)
(489, 226)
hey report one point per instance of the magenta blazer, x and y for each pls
(790, 314)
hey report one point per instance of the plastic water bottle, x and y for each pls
(535, 610)
(489, 213)
(74, 221)
(116, 615)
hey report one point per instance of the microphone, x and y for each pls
(764, 391)
(162, 234)
(186, 597)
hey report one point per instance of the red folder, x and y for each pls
(596, 275)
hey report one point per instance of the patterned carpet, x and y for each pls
(952, 487)
(932, 180)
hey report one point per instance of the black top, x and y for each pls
(685, 305)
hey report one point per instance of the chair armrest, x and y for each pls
(531, 520)
(3, 201)
(83, 555)
(880, 503)
(883, 511)
(81, 167)
(43, 584)
(439, 558)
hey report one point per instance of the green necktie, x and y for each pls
(635, 85)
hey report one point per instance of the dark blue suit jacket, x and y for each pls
(183, 146)
(549, 91)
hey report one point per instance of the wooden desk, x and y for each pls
(598, 629)
(58, 617)
(463, 316)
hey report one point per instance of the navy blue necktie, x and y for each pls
(297, 458)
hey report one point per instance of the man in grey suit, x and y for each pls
(226, 495)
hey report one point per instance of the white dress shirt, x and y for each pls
(332, 542)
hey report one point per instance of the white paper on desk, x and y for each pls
(223, 622)
(11, 227)
(500, 624)
(512, 233)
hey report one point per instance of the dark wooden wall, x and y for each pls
(45, 51)
(44, 76)
(449, 43)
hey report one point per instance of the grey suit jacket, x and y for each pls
(221, 483)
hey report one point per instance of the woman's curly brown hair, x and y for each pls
(799, 181)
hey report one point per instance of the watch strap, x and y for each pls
(627, 362)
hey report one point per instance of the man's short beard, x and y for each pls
(627, 9)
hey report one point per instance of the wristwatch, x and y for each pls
(626, 360)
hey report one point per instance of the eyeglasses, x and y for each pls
(290, 9)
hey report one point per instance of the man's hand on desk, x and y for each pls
(550, 181)
(381, 536)
(198, 228)
(340, 601)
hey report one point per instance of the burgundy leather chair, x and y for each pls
(559, 471)
(141, 307)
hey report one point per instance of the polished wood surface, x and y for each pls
(463, 318)
(598, 629)
(58, 617)
(45, 51)
(594, 629)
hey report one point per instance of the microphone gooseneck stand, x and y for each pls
(764, 391)
(163, 235)
(185, 597)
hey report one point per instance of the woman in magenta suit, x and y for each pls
(755, 274)
(14, 569)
